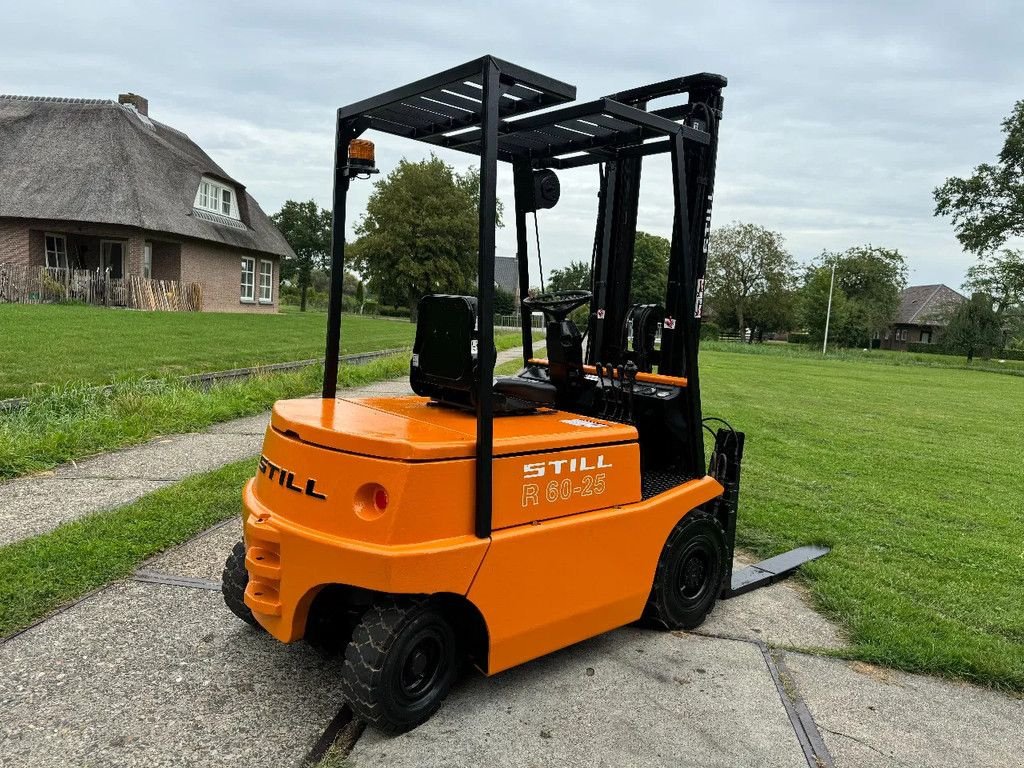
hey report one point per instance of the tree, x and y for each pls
(307, 228)
(419, 233)
(747, 265)
(1001, 276)
(869, 280)
(650, 269)
(974, 328)
(574, 277)
(988, 207)
(813, 305)
(504, 301)
(360, 295)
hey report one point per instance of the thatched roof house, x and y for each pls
(97, 184)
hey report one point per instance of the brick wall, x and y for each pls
(216, 267)
(13, 242)
(166, 260)
(219, 269)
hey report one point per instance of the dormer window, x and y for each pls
(215, 197)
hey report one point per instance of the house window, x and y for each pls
(266, 281)
(926, 337)
(901, 334)
(147, 262)
(248, 278)
(56, 252)
(215, 197)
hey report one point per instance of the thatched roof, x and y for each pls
(97, 161)
(927, 304)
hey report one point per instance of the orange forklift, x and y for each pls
(488, 522)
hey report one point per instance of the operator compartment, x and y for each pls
(400, 470)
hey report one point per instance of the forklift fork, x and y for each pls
(725, 467)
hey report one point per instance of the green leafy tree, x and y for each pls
(812, 305)
(574, 277)
(650, 269)
(307, 228)
(419, 233)
(987, 208)
(869, 279)
(748, 268)
(974, 328)
(504, 302)
(1001, 276)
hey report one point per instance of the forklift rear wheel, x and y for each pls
(233, 582)
(689, 574)
(401, 663)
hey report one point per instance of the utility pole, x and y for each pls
(828, 313)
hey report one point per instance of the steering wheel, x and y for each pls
(556, 305)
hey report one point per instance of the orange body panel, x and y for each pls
(296, 561)
(541, 486)
(543, 587)
(408, 429)
(573, 550)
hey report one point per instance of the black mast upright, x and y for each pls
(485, 297)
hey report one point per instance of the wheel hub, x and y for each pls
(422, 665)
(693, 575)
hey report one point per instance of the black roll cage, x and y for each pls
(484, 108)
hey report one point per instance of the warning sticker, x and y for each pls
(583, 423)
(600, 314)
(670, 323)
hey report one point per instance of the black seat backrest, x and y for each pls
(444, 355)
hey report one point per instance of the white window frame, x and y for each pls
(267, 290)
(210, 197)
(58, 253)
(147, 260)
(248, 268)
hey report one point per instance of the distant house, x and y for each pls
(96, 184)
(923, 312)
(506, 275)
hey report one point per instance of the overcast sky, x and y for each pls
(839, 121)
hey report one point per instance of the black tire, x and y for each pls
(400, 664)
(690, 573)
(233, 582)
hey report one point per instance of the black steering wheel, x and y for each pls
(556, 305)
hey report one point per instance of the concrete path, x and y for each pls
(39, 503)
(158, 672)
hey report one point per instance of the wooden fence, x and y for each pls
(20, 284)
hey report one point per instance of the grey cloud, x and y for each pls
(840, 117)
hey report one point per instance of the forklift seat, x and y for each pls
(444, 360)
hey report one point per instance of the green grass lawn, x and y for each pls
(49, 344)
(913, 475)
(42, 573)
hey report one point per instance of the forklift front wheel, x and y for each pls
(400, 664)
(689, 574)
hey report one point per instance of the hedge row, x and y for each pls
(939, 349)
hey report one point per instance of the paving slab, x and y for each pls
(247, 425)
(168, 458)
(629, 697)
(201, 558)
(152, 675)
(873, 717)
(34, 505)
(779, 615)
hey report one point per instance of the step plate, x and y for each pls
(771, 570)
